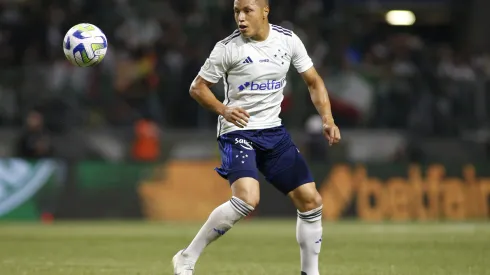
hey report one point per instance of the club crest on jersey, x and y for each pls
(262, 86)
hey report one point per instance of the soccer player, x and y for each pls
(254, 61)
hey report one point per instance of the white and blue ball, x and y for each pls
(85, 45)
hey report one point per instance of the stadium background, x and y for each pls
(124, 140)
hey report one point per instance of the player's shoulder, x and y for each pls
(282, 32)
(234, 36)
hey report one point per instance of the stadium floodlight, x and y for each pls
(400, 18)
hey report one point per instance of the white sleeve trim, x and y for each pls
(305, 68)
(206, 77)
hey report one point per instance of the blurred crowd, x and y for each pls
(377, 77)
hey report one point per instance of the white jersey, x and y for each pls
(254, 74)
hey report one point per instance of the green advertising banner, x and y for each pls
(109, 190)
(24, 187)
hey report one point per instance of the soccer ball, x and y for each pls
(85, 45)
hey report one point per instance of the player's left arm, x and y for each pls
(319, 97)
(318, 92)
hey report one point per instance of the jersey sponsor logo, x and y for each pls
(244, 143)
(262, 86)
(264, 60)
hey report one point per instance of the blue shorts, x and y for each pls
(270, 151)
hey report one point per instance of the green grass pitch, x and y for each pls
(256, 247)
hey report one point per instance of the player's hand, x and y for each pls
(237, 116)
(332, 133)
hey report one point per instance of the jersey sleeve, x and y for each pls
(300, 58)
(216, 64)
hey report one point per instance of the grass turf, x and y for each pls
(252, 247)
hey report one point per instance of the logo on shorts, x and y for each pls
(244, 143)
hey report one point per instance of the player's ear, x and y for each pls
(266, 11)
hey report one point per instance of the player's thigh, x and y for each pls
(247, 189)
(286, 169)
(239, 167)
(306, 197)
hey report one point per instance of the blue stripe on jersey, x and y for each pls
(283, 32)
(228, 37)
(227, 40)
(232, 34)
(281, 28)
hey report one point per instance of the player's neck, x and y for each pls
(262, 34)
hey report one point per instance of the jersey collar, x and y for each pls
(271, 33)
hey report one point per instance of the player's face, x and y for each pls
(250, 16)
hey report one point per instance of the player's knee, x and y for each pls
(312, 201)
(306, 197)
(316, 201)
(250, 199)
(247, 190)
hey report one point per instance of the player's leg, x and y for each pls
(309, 228)
(297, 183)
(239, 167)
(286, 169)
(245, 197)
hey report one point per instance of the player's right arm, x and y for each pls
(211, 72)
